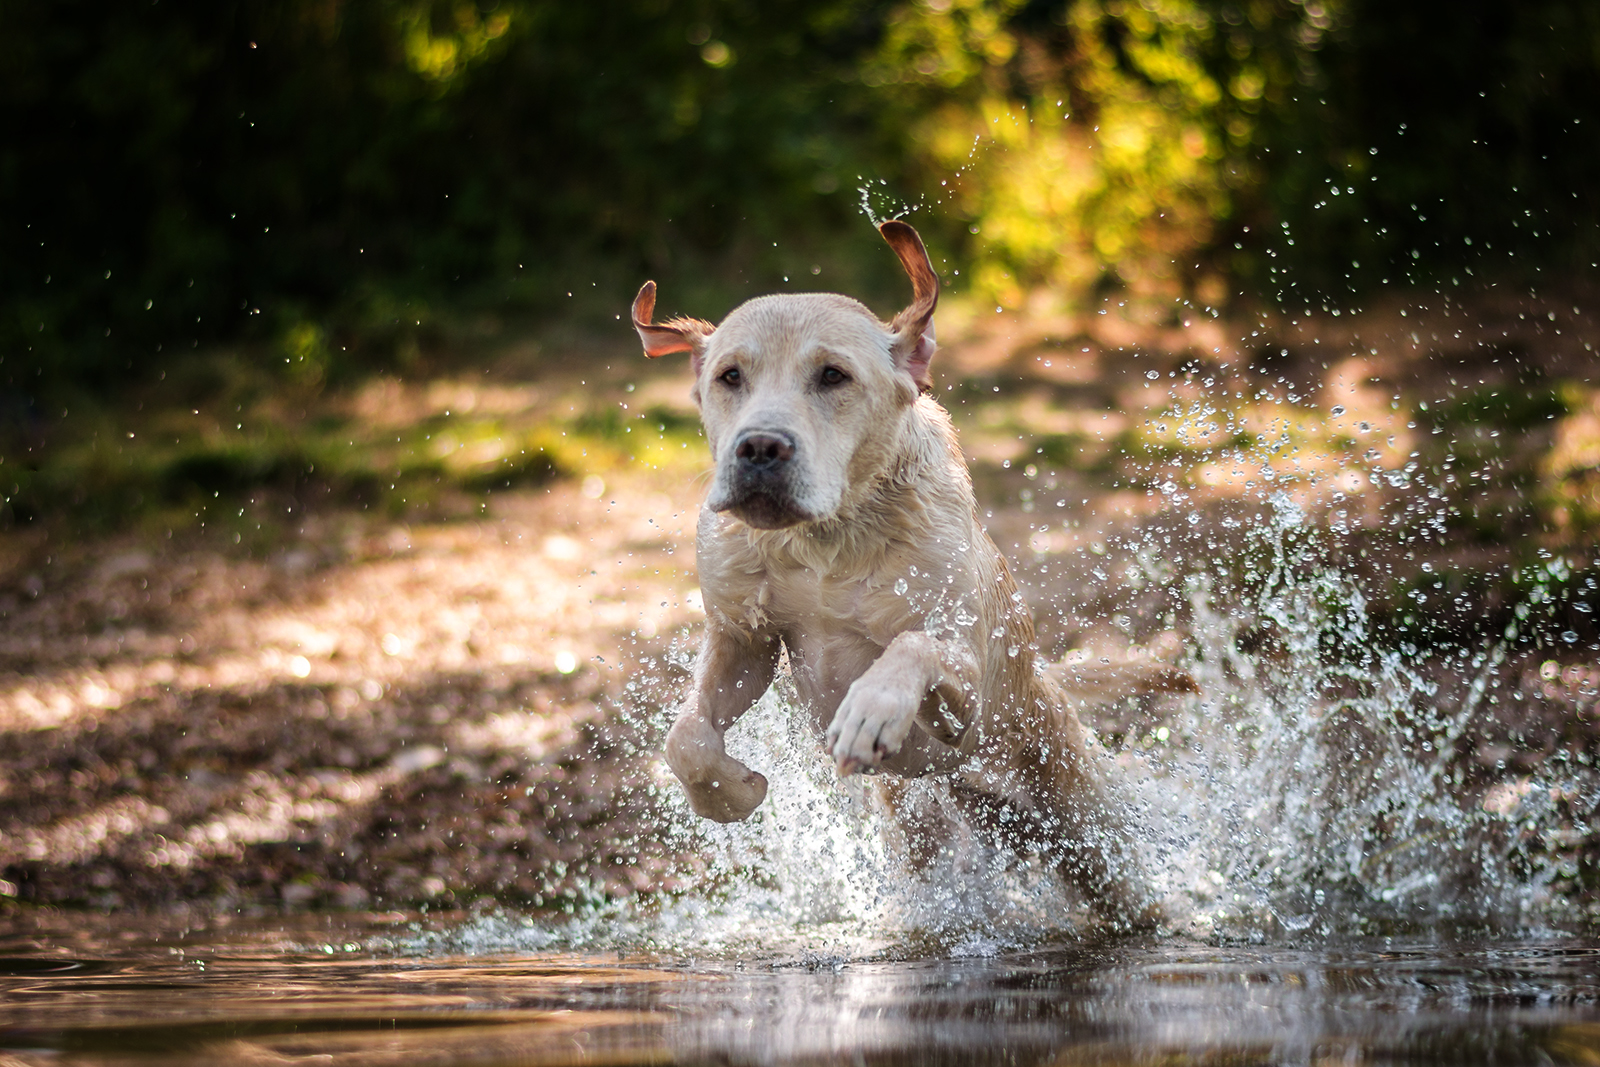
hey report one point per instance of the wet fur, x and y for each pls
(863, 556)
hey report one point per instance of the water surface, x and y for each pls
(357, 990)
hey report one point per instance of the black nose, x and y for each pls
(764, 450)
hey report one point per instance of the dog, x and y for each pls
(841, 526)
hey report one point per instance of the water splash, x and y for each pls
(1303, 793)
(1314, 787)
(1320, 785)
(810, 876)
(879, 204)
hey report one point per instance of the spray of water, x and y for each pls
(1313, 787)
(879, 203)
(1316, 786)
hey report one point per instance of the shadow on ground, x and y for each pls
(444, 792)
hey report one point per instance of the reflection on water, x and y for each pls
(349, 991)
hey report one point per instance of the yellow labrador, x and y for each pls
(841, 526)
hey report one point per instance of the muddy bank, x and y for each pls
(459, 711)
(371, 714)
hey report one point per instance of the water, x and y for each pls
(358, 991)
(1363, 850)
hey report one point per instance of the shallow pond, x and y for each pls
(371, 990)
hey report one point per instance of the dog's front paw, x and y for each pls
(870, 726)
(720, 788)
(729, 799)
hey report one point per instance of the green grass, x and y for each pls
(223, 439)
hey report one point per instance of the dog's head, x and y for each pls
(802, 395)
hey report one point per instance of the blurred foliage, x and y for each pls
(336, 180)
(253, 449)
(1569, 475)
(176, 172)
(1171, 147)
(1100, 138)
(1437, 139)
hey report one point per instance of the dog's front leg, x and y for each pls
(880, 706)
(733, 671)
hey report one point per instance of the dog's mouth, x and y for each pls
(763, 507)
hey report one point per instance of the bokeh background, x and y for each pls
(345, 534)
(343, 179)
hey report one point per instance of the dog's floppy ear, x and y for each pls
(913, 327)
(674, 335)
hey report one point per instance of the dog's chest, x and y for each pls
(811, 608)
(814, 599)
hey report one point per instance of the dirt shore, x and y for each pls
(371, 713)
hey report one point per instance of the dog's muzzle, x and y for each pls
(760, 490)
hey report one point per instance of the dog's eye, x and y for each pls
(833, 376)
(730, 377)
